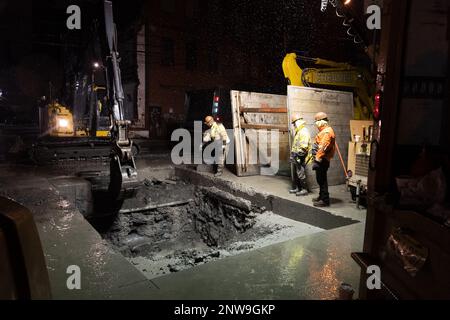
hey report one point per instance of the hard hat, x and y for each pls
(321, 116)
(296, 117)
(209, 119)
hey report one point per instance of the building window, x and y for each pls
(191, 55)
(213, 59)
(168, 6)
(167, 52)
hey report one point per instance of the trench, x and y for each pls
(171, 225)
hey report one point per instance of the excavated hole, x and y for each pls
(186, 226)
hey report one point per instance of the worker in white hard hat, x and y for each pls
(323, 151)
(217, 132)
(300, 155)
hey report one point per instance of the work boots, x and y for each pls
(295, 190)
(302, 192)
(321, 204)
(219, 172)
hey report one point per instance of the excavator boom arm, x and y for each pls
(123, 172)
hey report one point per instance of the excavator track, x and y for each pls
(83, 157)
(80, 150)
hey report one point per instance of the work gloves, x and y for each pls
(316, 165)
(298, 157)
(295, 158)
(292, 157)
(314, 149)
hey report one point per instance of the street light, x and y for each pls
(347, 2)
(96, 65)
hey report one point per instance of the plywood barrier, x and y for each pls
(258, 117)
(261, 133)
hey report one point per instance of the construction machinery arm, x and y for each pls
(335, 75)
(123, 172)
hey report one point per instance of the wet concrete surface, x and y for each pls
(68, 239)
(305, 268)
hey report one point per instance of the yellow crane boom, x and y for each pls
(335, 75)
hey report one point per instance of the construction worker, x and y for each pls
(216, 133)
(323, 151)
(300, 154)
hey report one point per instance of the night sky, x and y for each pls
(36, 39)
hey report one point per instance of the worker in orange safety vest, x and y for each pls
(323, 151)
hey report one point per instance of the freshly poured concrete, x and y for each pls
(68, 239)
(310, 267)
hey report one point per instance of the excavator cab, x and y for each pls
(60, 120)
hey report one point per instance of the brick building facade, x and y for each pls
(183, 46)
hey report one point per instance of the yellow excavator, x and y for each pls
(333, 75)
(99, 131)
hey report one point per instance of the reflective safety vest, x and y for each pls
(302, 142)
(218, 132)
(326, 142)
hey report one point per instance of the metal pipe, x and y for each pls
(342, 160)
(156, 206)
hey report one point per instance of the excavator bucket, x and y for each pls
(123, 179)
(123, 173)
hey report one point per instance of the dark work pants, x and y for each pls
(322, 180)
(300, 175)
(220, 160)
